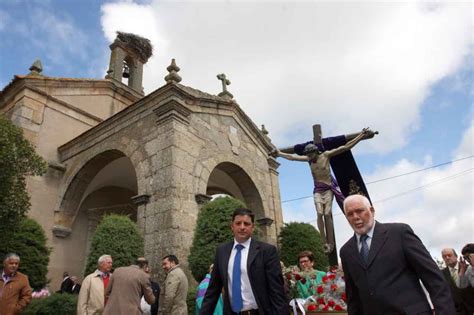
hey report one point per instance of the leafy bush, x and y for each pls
(18, 160)
(212, 228)
(117, 236)
(57, 304)
(28, 240)
(191, 300)
(296, 237)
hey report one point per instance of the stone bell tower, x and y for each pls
(129, 53)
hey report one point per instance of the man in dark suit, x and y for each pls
(76, 287)
(249, 272)
(66, 285)
(463, 298)
(383, 265)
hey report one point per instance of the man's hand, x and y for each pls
(462, 266)
(275, 153)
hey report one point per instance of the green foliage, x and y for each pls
(191, 300)
(212, 228)
(29, 242)
(18, 160)
(117, 236)
(296, 237)
(57, 304)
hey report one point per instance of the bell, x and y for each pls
(126, 71)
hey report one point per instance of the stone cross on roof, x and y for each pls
(225, 83)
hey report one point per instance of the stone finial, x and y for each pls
(173, 76)
(225, 83)
(264, 130)
(36, 68)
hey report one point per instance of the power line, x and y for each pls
(392, 177)
(420, 170)
(439, 181)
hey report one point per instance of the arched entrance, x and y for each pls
(230, 179)
(105, 184)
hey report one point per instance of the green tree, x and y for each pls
(212, 228)
(18, 160)
(28, 240)
(117, 236)
(296, 237)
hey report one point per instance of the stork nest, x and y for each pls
(140, 45)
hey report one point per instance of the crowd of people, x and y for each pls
(383, 264)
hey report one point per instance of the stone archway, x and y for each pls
(229, 178)
(105, 184)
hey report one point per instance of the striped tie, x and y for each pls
(364, 250)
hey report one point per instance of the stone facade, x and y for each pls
(155, 158)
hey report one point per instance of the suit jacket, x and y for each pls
(156, 292)
(66, 285)
(76, 289)
(463, 298)
(174, 293)
(264, 271)
(125, 290)
(389, 283)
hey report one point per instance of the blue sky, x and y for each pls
(404, 69)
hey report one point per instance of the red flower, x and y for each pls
(333, 287)
(312, 307)
(325, 279)
(303, 280)
(288, 276)
(326, 308)
(338, 308)
(320, 289)
(297, 277)
(331, 303)
(332, 276)
(343, 296)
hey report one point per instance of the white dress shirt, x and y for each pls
(247, 294)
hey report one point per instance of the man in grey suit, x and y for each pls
(126, 288)
(383, 265)
(249, 272)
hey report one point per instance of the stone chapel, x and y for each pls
(155, 157)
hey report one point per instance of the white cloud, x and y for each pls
(295, 64)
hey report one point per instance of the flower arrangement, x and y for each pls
(44, 292)
(317, 294)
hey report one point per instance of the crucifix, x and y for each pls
(325, 186)
(225, 83)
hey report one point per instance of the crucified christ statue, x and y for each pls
(323, 181)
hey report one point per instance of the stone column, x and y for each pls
(275, 196)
